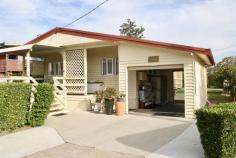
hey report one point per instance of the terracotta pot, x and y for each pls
(120, 107)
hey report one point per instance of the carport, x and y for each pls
(157, 90)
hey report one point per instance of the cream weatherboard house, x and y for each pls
(80, 62)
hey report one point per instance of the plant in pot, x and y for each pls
(120, 104)
(109, 96)
(98, 103)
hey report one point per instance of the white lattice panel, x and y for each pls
(75, 89)
(75, 71)
(75, 81)
(75, 63)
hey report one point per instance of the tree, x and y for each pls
(222, 71)
(223, 75)
(130, 29)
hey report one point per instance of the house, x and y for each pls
(79, 62)
(10, 63)
(7, 45)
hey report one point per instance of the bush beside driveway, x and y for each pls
(15, 108)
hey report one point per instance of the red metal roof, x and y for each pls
(109, 37)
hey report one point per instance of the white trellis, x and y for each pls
(76, 71)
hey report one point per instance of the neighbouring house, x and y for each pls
(10, 63)
(80, 62)
(7, 45)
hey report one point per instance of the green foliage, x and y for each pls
(110, 93)
(215, 96)
(217, 127)
(14, 105)
(224, 71)
(130, 29)
(41, 106)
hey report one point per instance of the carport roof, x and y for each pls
(109, 37)
(27, 47)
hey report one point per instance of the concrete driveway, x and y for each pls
(129, 134)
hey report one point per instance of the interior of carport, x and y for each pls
(156, 90)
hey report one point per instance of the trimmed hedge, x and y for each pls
(40, 108)
(14, 105)
(217, 127)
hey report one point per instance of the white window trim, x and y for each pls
(50, 69)
(111, 59)
(53, 72)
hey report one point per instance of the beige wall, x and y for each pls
(201, 85)
(189, 89)
(94, 57)
(133, 89)
(131, 55)
(60, 39)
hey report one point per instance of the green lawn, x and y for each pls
(214, 96)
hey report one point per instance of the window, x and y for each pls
(55, 69)
(110, 66)
(13, 57)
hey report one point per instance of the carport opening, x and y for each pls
(158, 92)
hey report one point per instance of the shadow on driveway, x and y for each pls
(154, 139)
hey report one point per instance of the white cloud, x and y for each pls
(205, 23)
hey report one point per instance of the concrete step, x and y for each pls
(82, 102)
(56, 106)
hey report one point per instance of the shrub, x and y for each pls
(14, 105)
(41, 106)
(110, 93)
(217, 127)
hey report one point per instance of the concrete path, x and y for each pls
(26, 142)
(129, 134)
(74, 151)
(187, 145)
(86, 134)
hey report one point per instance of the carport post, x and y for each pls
(28, 63)
(127, 92)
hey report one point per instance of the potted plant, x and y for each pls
(98, 103)
(120, 104)
(109, 96)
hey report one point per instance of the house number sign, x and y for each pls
(153, 59)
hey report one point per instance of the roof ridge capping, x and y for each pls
(110, 37)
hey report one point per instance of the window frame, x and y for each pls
(107, 66)
(104, 66)
(55, 69)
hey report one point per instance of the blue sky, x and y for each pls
(203, 23)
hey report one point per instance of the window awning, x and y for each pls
(28, 47)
